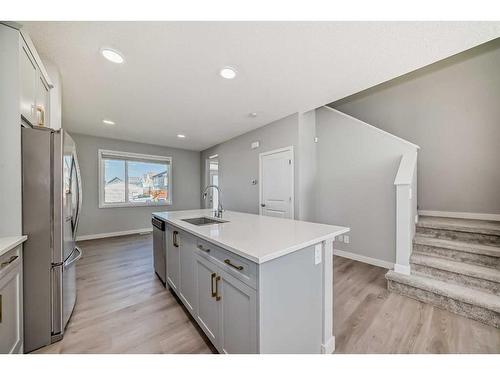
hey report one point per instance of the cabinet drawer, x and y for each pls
(10, 260)
(241, 268)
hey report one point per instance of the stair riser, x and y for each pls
(471, 258)
(480, 314)
(486, 239)
(452, 277)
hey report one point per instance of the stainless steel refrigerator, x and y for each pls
(52, 198)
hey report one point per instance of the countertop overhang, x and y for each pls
(254, 237)
(8, 243)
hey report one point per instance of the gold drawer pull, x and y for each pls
(228, 262)
(214, 293)
(174, 238)
(217, 297)
(207, 250)
(5, 264)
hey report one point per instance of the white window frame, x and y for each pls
(103, 154)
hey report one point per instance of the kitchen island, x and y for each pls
(254, 284)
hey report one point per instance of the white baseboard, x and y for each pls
(460, 215)
(364, 259)
(113, 234)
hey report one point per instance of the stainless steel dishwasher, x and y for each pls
(159, 251)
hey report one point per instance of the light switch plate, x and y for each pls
(255, 144)
(340, 238)
(317, 254)
(346, 238)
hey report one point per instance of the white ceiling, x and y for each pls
(169, 83)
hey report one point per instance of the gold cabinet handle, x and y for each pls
(207, 250)
(217, 297)
(214, 293)
(5, 264)
(228, 262)
(41, 119)
(174, 238)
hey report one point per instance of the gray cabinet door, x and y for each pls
(28, 84)
(187, 285)
(207, 306)
(238, 316)
(173, 258)
(11, 334)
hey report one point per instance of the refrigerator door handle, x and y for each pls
(79, 192)
(71, 259)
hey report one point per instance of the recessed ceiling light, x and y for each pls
(181, 136)
(227, 72)
(108, 122)
(112, 55)
(252, 114)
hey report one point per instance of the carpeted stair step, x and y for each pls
(473, 276)
(483, 255)
(461, 300)
(466, 230)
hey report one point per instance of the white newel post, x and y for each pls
(403, 229)
(406, 199)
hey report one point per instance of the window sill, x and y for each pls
(131, 205)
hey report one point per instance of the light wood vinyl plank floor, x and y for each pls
(123, 308)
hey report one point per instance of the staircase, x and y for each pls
(455, 265)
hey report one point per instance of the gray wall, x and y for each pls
(452, 110)
(239, 164)
(10, 134)
(94, 220)
(307, 166)
(356, 167)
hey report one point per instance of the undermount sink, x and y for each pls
(203, 221)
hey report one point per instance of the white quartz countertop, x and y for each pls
(254, 237)
(8, 243)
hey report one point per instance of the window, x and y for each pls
(212, 179)
(127, 179)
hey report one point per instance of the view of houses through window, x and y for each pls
(129, 180)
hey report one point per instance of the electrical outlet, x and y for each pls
(340, 238)
(346, 238)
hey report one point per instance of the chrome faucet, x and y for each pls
(218, 212)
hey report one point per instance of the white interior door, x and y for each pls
(276, 183)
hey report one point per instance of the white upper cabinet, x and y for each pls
(34, 85)
(28, 83)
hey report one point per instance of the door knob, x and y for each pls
(262, 205)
